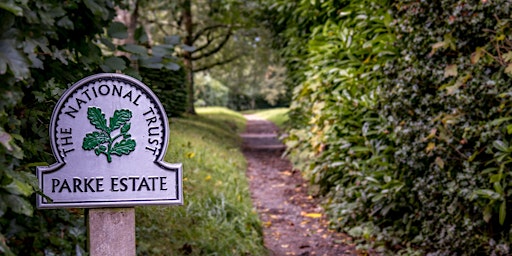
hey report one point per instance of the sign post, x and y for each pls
(109, 134)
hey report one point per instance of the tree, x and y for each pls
(205, 28)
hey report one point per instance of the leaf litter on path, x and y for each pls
(293, 222)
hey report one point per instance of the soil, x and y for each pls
(293, 221)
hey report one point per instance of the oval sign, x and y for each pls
(109, 134)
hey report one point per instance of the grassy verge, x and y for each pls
(217, 217)
(276, 115)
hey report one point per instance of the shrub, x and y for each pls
(170, 86)
(400, 115)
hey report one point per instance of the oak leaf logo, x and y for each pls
(103, 141)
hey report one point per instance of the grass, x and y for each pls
(217, 217)
(276, 115)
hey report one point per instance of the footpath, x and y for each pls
(293, 221)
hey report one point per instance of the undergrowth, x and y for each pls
(217, 217)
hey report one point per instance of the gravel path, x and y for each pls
(293, 221)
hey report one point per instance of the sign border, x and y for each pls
(41, 201)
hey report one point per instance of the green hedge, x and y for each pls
(401, 116)
(170, 87)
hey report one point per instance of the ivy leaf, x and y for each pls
(123, 147)
(94, 139)
(97, 118)
(119, 118)
(18, 204)
(12, 58)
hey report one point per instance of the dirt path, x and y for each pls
(293, 221)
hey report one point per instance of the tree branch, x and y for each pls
(205, 29)
(218, 63)
(214, 50)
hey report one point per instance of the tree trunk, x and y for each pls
(187, 56)
(130, 19)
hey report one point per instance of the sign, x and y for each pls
(109, 134)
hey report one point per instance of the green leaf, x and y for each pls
(115, 63)
(12, 58)
(125, 128)
(117, 30)
(66, 23)
(487, 193)
(124, 147)
(135, 49)
(500, 145)
(18, 204)
(503, 212)
(154, 62)
(97, 118)
(161, 50)
(140, 35)
(17, 187)
(173, 40)
(11, 7)
(108, 43)
(172, 66)
(487, 213)
(96, 9)
(94, 139)
(119, 118)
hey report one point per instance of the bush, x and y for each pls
(170, 86)
(210, 92)
(400, 115)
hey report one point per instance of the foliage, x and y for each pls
(210, 92)
(400, 115)
(446, 101)
(95, 140)
(170, 86)
(44, 46)
(217, 216)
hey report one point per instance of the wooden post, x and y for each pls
(111, 231)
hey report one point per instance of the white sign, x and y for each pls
(109, 134)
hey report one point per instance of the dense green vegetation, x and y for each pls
(401, 114)
(44, 46)
(217, 216)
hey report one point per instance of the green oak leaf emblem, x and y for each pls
(103, 141)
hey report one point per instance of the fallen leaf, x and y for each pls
(431, 146)
(312, 215)
(450, 70)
